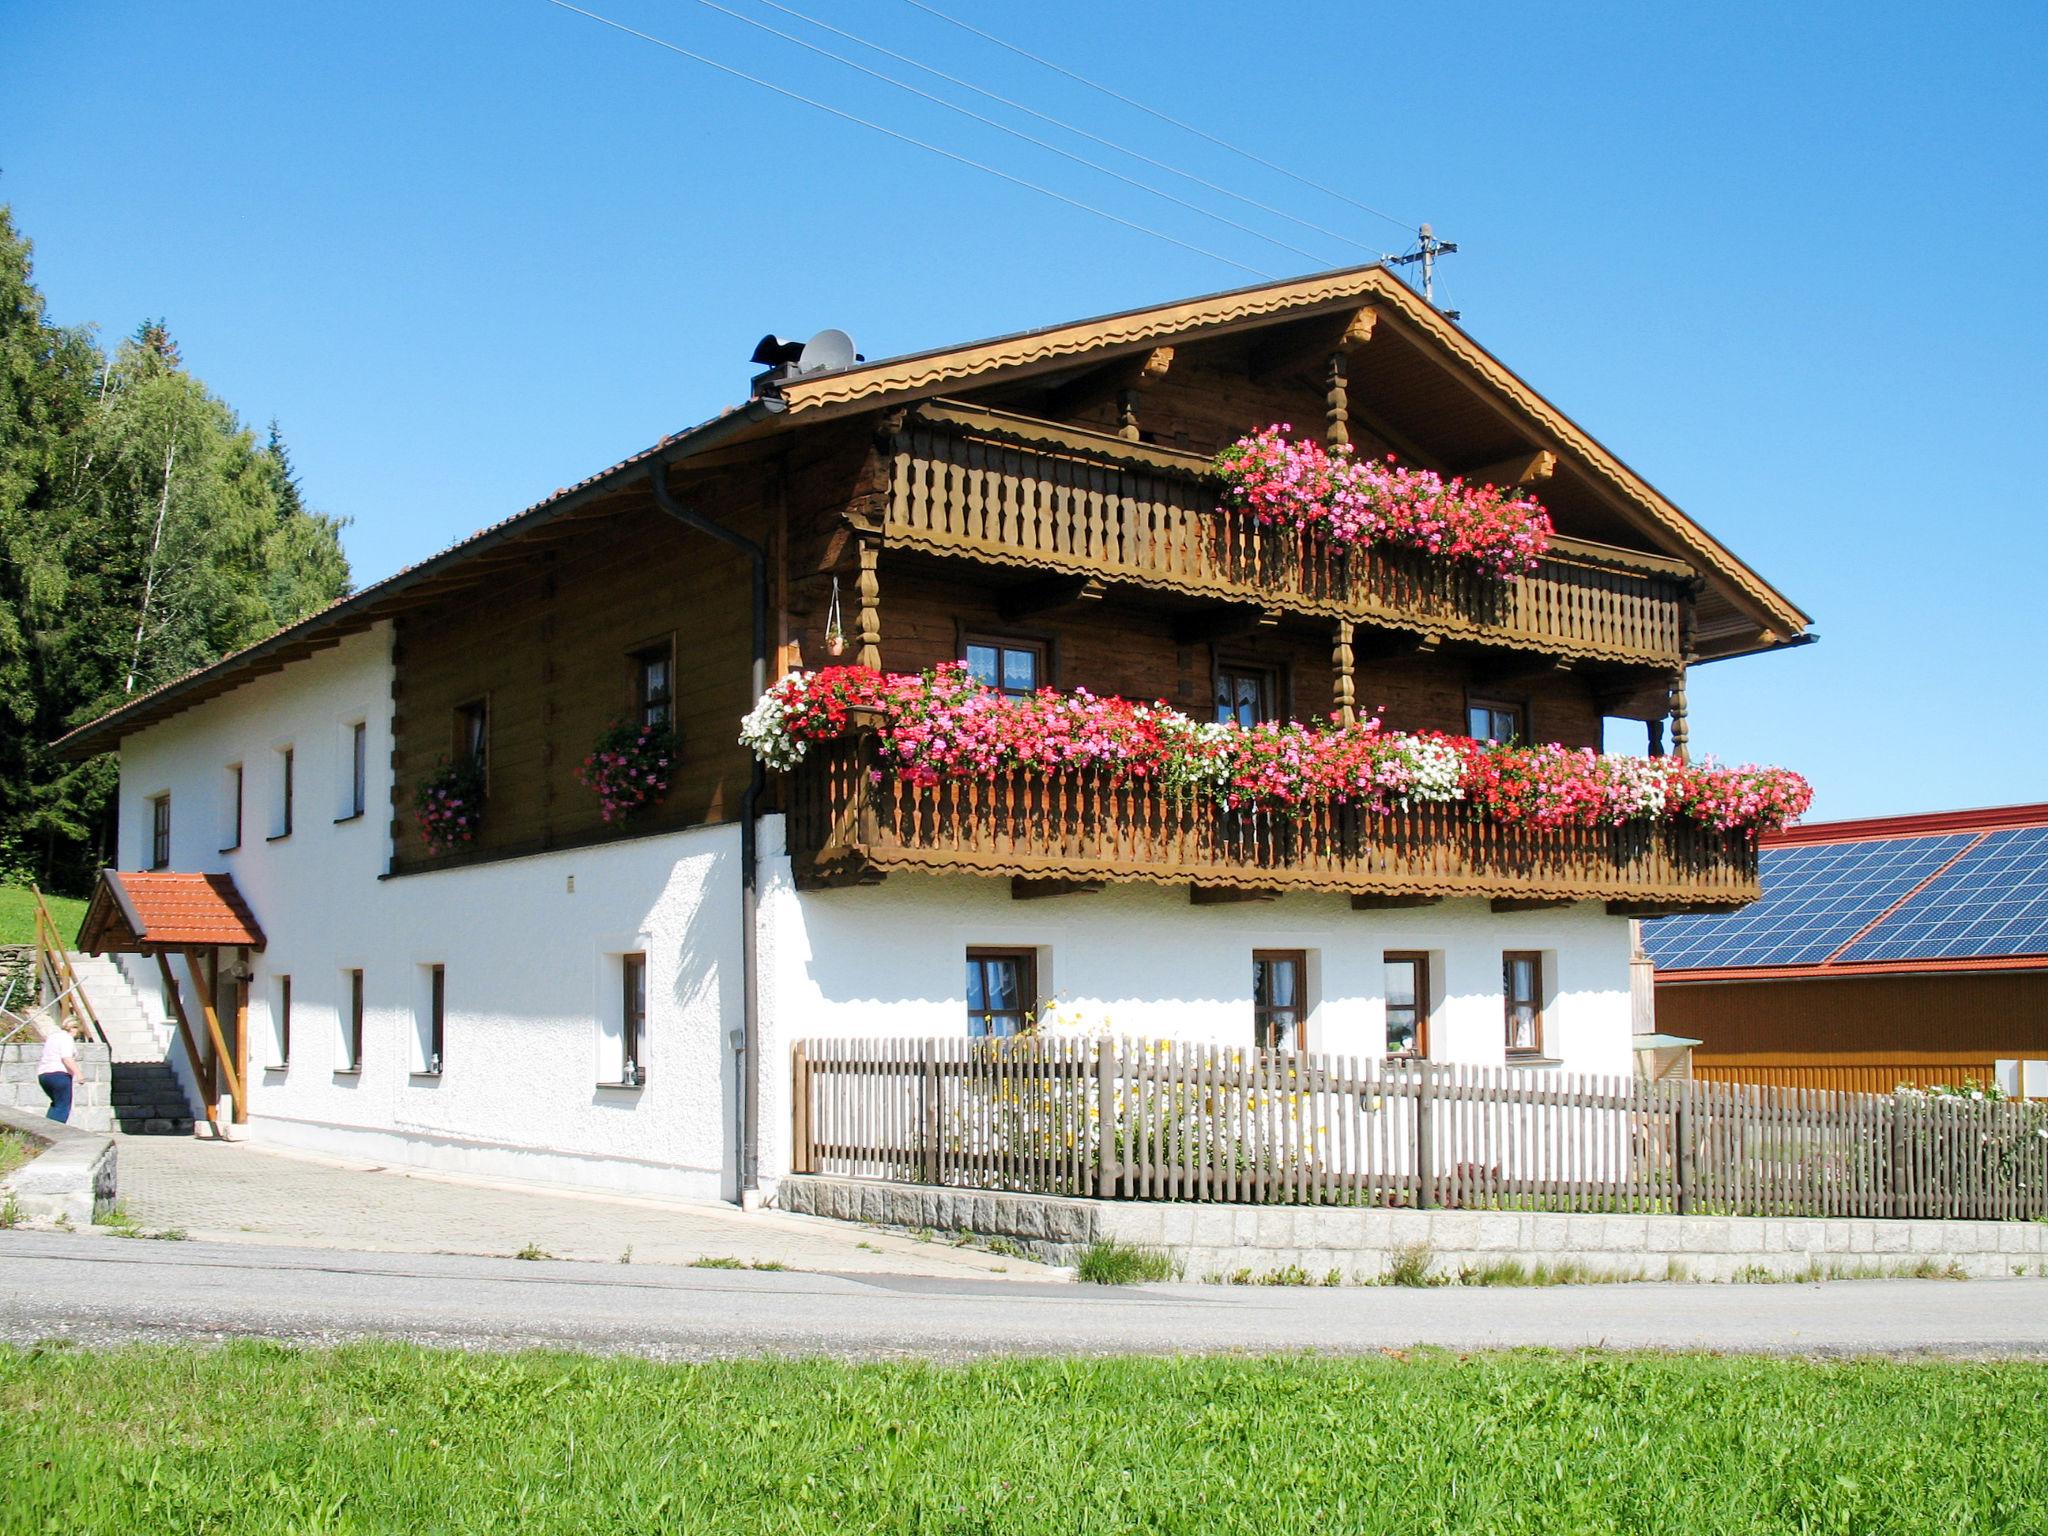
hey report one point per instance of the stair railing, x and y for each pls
(53, 966)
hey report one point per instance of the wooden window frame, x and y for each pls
(1027, 988)
(1011, 640)
(1419, 958)
(288, 768)
(1508, 1000)
(1519, 708)
(477, 708)
(436, 1042)
(633, 1019)
(1277, 682)
(354, 1037)
(240, 783)
(160, 831)
(1261, 1011)
(358, 770)
(664, 649)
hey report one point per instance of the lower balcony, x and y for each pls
(1069, 829)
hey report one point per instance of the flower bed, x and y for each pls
(944, 724)
(1329, 494)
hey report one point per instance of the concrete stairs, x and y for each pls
(148, 1098)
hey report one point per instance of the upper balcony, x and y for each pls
(1076, 827)
(1010, 490)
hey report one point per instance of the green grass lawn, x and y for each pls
(259, 1438)
(18, 915)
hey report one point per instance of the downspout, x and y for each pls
(747, 1098)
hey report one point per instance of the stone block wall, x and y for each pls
(92, 1104)
(1359, 1246)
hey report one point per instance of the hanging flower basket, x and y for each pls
(1328, 494)
(450, 806)
(629, 768)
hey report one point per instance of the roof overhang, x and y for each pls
(139, 913)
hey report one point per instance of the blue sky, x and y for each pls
(1786, 260)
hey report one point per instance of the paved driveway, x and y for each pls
(241, 1192)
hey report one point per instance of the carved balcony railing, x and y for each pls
(849, 824)
(1006, 490)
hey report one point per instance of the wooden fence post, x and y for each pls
(1681, 1158)
(800, 1110)
(1425, 1170)
(1108, 1155)
(928, 1096)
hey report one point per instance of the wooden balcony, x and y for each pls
(847, 826)
(1012, 491)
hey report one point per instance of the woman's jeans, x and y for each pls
(58, 1086)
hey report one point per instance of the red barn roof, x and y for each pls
(135, 911)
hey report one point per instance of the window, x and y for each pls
(352, 1033)
(1522, 989)
(285, 771)
(1407, 1003)
(1002, 986)
(473, 734)
(231, 823)
(358, 771)
(654, 685)
(1246, 695)
(1491, 720)
(1279, 993)
(160, 832)
(1014, 667)
(434, 1038)
(633, 1020)
(281, 1023)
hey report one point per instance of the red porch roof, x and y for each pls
(135, 911)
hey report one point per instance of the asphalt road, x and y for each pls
(102, 1290)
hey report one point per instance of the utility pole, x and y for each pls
(1427, 249)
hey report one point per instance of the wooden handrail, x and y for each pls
(53, 961)
(1002, 490)
(1083, 824)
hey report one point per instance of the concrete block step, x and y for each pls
(156, 1126)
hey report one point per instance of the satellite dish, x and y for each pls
(827, 352)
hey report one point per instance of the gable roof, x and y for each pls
(917, 376)
(1959, 890)
(134, 910)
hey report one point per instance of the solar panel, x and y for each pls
(1994, 902)
(1816, 897)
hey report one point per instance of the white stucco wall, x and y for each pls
(530, 948)
(889, 960)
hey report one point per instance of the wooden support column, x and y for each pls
(868, 617)
(1656, 737)
(191, 1044)
(1346, 697)
(1337, 401)
(242, 1034)
(1681, 727)
(1127, 415)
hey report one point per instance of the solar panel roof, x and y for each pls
(1817, 896)
(1993, 901)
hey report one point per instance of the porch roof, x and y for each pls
(137, 912)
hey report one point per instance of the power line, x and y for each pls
(1079, 132)
(1096, 85)
(1043, 191)
(1015, 133)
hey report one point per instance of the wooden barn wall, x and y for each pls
(1115, 648)
(1862, 1034)
(550, 648)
